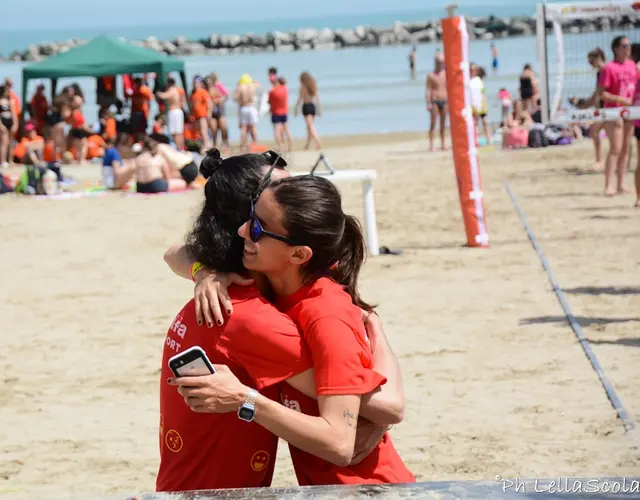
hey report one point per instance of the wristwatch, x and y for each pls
(247, 411)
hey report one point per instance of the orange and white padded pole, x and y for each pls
(455, 39)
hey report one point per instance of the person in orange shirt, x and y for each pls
(311, 252)
(108, 124)
(140, 102)
(279, 106)
(201, 106)
(30, 149)
(38, 109)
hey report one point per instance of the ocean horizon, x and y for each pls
(20, 39)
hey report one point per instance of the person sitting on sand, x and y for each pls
(180, 162)
(436, 97)
(116, 173)
(153, 174)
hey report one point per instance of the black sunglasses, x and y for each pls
(256, 231)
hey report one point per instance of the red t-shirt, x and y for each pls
(342, 360)
(208, 451)
(278, 97)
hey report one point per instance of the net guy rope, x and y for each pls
(616, 402)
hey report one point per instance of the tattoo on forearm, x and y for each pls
(349, 417)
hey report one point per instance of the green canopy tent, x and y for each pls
(102, 56)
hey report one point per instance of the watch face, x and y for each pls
(246, 414)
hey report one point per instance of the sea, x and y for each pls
(362, 90)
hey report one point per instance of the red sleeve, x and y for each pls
(605, 78)
(269, 347)
(342, 362)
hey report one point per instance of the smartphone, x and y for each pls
(191, 363)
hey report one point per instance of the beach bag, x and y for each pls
(30, 181)
(537, 138)
(516, 138)
(5, 186)
(553, 134)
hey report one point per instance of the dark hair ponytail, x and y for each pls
(352, 254)
(314, 217)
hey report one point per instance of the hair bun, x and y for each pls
(210, 163)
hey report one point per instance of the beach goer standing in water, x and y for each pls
(279, 107)
(245, 96)
(412, 62)
(310, 102)
(436, 97)
(495, 62)
(616, 88)
(175, 114)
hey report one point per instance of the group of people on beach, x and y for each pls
(58, 133)
(298, 354)
(617, 86)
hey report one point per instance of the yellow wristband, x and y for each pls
(196, 267)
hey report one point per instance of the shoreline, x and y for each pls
(489, 27)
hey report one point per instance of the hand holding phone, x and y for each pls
(191, 363)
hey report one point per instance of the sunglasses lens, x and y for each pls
(254, 229)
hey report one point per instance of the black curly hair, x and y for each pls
(231, 184)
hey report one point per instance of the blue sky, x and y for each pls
(64, 14)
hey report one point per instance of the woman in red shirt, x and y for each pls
(312, 252)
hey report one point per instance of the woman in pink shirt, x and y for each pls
(616, 88)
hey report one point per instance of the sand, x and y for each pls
(495, 381)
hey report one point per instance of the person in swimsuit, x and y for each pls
(436, 97)
(245, 96)
(8, 118)
(309, 103)
(153, 174)
(528, 87)
(218, 121)
(597, 59)
(616, 88)
(175, 113)
(412, 62)
(181, 162)
(495, 63)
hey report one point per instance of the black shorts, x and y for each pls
(278, 119)
(155, 186)
(636, 132)
(138, 123)
(53, 118)
(7, 122)
(440, 103)
(308, 109)
(189, 172)
(79, 133)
